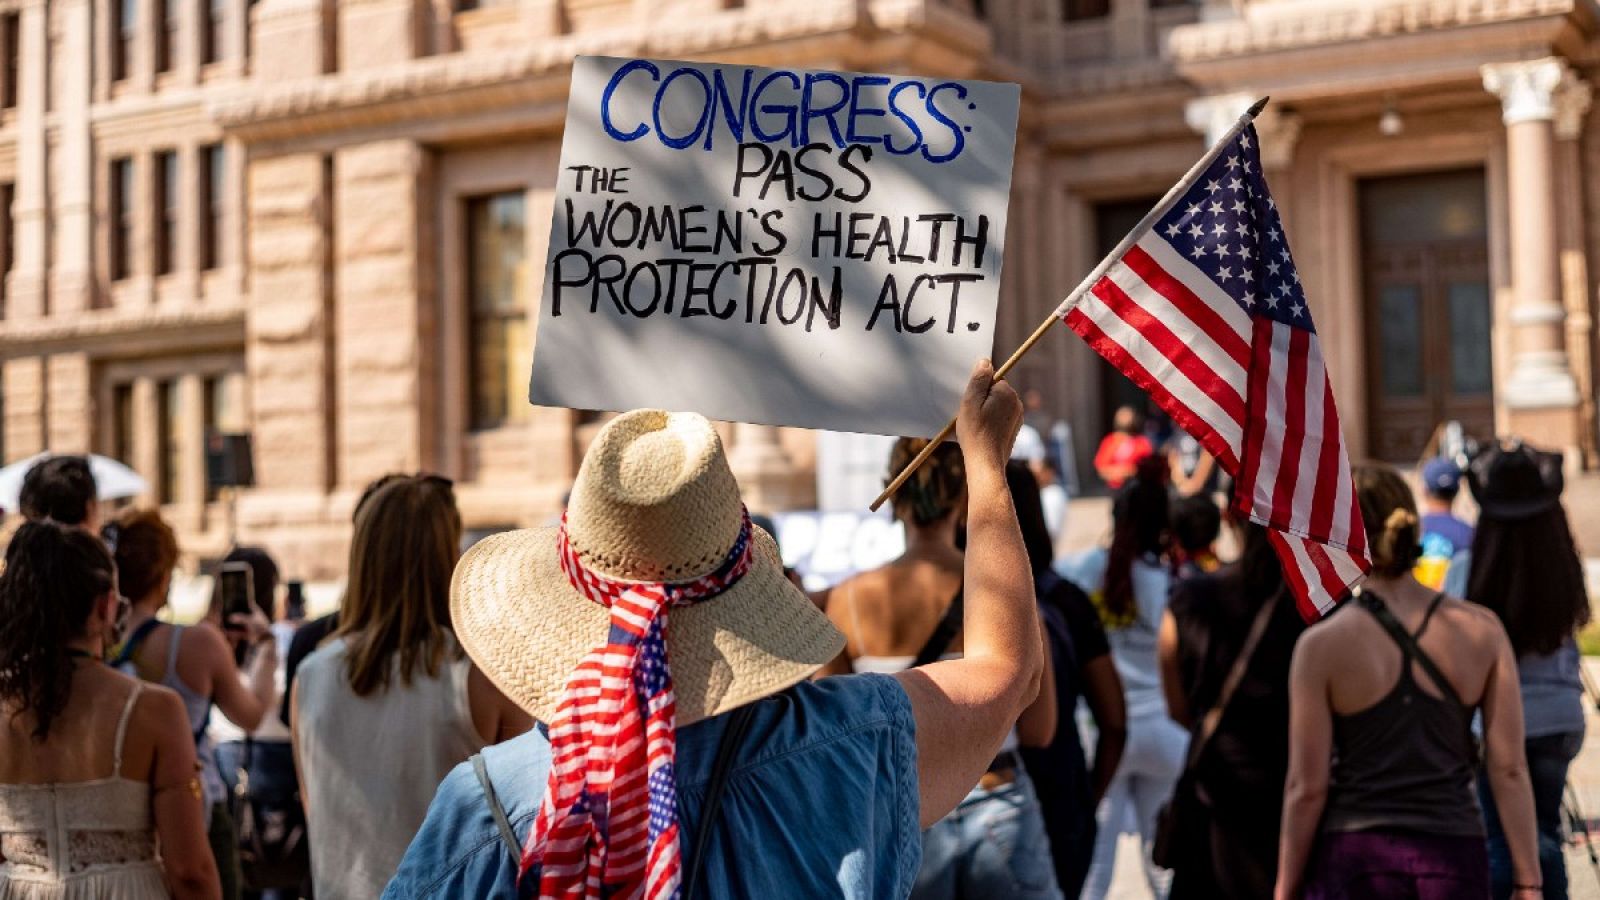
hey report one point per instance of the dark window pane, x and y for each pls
(213, 36)
(170, 434)
(11, 25)
(122, 423)
(122, 43)
(1400, 326)
(212, 190)
(167, 188)
(1438, 206)
(120, 191)
(500, 350)
(168, 19)
(1078, 10)
(1469, 338)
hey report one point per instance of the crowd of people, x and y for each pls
(639, 700)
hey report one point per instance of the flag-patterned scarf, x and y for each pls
(608, 825)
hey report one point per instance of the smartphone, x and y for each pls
(294, 602)
(237, 584)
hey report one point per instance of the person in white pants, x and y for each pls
(1129, 582)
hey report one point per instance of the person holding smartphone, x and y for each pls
(195, 661)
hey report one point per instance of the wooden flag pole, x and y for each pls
(1072, 299)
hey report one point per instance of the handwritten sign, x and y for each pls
(775, 246)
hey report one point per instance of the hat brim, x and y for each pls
(526, 628)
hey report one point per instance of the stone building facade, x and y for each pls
(323, 221)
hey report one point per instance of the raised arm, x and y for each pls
(1171, 675)
(1036, 727)
(1310, 757)
(964, 707)
(191, 872)
(247, 700)
(1507, 767)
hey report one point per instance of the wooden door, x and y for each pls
(1425, 256)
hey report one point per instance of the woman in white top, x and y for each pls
(385, 710)
(1129, 583)
(97, 770)
(994, 843)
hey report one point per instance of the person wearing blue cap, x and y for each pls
(1443, 533)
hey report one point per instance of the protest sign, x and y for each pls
(776, 246)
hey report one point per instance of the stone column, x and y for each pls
(1540, 393)
(25, 288)
(147, 434)
(384, 381)
(23, 384)
(765, 473)
(291, 39)
(71, 414)
(191, 473)
(1572, 108)
(71, 194)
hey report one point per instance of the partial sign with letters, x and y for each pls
(776, 246)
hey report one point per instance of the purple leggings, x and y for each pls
(1394, 865)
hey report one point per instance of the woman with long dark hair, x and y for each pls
(1525, 567)
(1129, 582)
(381, 713)
(1380, 800)
(908, 613)
(1229, 849)
(1069, 791)
(96, 769)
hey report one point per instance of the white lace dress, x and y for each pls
(87, 840)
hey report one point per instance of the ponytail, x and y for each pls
(53, 576)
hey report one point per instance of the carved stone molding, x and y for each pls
(1279, 130)
(1279, 26)
(1572, 100)
(1526, 89)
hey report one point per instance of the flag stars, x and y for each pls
(1272, 268)
(1233, 162)
(1195, 231)
(1247, 275)
(1246, 252)
(1225, 274)
(1249, 299)
(1238, 206)
(1242, 229)
(1273, 233)
(1216, 208)
(1198, 251)
(1249, 166)
(1244, 140)
(1172, 230)
(1192, 211)
(1222, 250)
(1297, 309)
(1272, 302)
(1235, 184)
(1213, 186)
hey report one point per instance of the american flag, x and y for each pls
(1204, 310)
(608, 823)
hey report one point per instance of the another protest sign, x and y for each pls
(775, 246)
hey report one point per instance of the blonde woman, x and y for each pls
(383, 712)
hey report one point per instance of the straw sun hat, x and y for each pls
(654, 501)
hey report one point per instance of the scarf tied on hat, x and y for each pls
(608, 824)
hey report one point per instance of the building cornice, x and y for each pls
(124, 332)
(533, 80)
(1284, 25)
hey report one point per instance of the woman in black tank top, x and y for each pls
(1381, 800)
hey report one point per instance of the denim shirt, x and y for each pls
(822, 802)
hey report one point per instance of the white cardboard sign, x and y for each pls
(777, 246)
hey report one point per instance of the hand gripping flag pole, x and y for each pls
(1201, 306)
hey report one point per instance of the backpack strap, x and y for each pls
(495, 809)
(732, 736)
(1412, 650)
(943, 634)
(1212, 718)
(131, 645)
